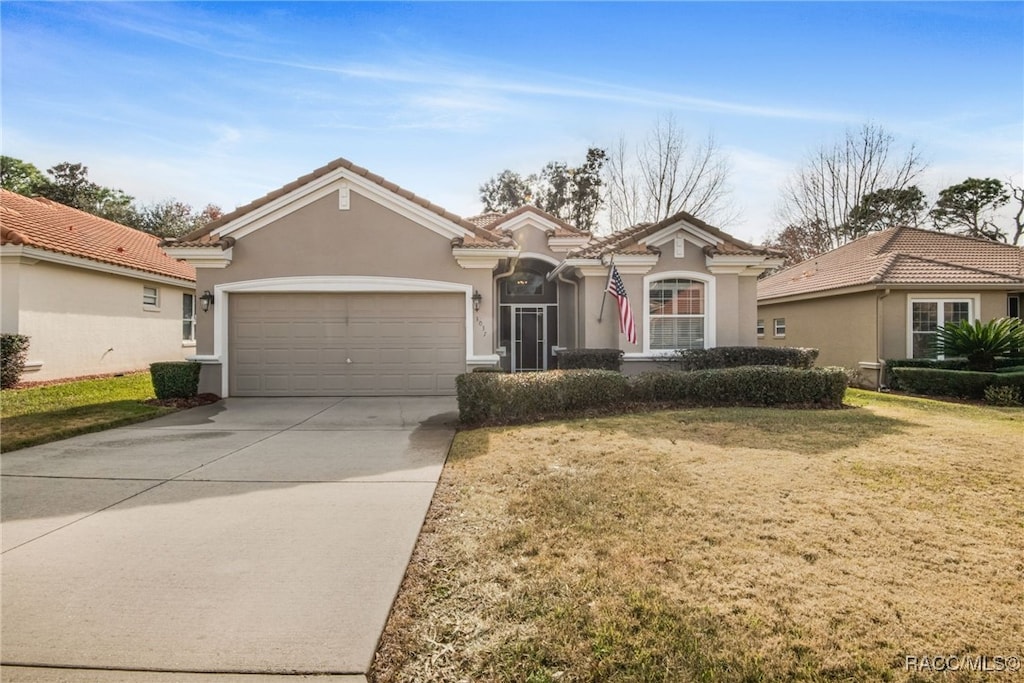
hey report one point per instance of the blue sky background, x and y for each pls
(222, 102)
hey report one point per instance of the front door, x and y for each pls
(529, 325)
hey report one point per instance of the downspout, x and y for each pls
(878, 338)
(575, 307)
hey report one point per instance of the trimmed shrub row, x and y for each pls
(489, 397)
(495, 398)
(1001, 364)
(13, 352)
(590, 359)
(739, 356)
(957, 383)
(756, 385)
(175, 379)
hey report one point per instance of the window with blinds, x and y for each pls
(676, 315)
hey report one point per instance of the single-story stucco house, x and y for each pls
(94, 296)
(883, 296)
(342, 283)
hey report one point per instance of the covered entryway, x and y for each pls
(528, 317)
(345, 344)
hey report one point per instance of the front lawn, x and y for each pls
(720, 545)
(48, 413)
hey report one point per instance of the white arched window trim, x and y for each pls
(709, 307)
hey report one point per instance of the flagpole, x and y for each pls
(604, 295)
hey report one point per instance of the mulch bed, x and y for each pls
(191, 402)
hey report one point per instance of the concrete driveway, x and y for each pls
(249, 538)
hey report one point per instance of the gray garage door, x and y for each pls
(346, 344)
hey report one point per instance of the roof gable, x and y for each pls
(541, 219)
(339, 176)
(49, 226)
(900, 256)
(643, 238)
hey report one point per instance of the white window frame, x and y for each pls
(779, 327)
(973, 307)
(190, 341)
(760, 327)
(710, 301)
(146, 304)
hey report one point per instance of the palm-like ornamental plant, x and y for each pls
(979, 342)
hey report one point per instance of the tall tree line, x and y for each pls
(69, 184)
(865, 182)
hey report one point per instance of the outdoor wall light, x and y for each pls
(206, 300)
(477, 298)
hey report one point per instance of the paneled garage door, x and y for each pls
(346, 344)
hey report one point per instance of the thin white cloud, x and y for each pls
(444, 71)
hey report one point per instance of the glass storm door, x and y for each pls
(529, 339)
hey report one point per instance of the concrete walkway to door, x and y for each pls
(249, 538)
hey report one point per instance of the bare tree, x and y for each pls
(667, 173)
(1018, 217)
(626, 204)
(835, 179)
(799, 242)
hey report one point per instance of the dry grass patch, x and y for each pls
(719, 545)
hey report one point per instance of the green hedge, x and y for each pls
(957, 383)
(739, 356)
(493, 398)
(175, 379)
(13, 351)
(756, 385)
(947, 364)
(590, 359)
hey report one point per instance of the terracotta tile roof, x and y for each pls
(563, 229)
(628, 241)
(484, 219)
(900, 256)
(196, 238)
(47, 225)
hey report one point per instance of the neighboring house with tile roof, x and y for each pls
(93, 296)
(343, 283)
(883, 296)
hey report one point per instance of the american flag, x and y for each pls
(618, 290)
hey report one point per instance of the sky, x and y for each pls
(223, 102)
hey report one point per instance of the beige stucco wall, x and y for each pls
(735, 301)
(991, 304)
(862, 327)
(842, 328)
(84, 322)
(367, 239)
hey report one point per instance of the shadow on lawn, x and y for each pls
(808, 432)
(21, 431)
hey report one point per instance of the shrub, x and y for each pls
(956, 383)
(980, 343)
(739, 356)
(490, 397)
(1002, 395)
(494, 398)
(762, 385)
(590, 359)
(13, 351)
(489, 368)
(175, 379)
(1010, 368)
